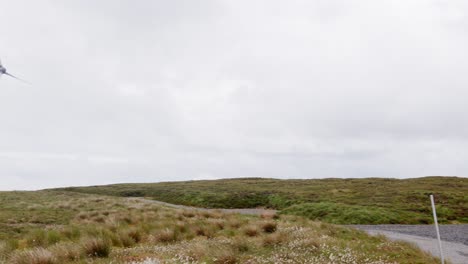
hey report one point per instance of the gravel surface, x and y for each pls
(451, 233)
(454, 238)
(456, 253)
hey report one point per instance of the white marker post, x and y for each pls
(437, 229)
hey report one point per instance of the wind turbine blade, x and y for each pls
(16, 77)
(11, 75)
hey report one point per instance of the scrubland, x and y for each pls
(51, 227)
(339, 201)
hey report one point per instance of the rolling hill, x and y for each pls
(339, 201)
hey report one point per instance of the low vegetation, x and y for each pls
(352, 214)
(52, 227)
(341, 201)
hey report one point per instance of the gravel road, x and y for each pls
(246, 211)
(454, 244)
(451, 233)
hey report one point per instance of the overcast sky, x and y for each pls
(147, 91)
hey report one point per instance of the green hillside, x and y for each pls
(341, 201)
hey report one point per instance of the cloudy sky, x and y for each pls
(147, 91)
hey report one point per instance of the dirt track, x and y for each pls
(246, 211)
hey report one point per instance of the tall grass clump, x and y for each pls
(225, 257)
(165, 236)
(269, 227)
(34, 256)
(96, 247)
(67, 251)
(251, 231)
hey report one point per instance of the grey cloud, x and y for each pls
(177, 90)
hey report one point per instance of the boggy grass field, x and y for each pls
(339, 201)
(45, 227)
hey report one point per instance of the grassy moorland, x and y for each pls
(339, 201)
(55, 227)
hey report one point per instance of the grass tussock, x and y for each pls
(34, 256)
(96, 247)
(225, 257)
(165, 236)
(251, 231)
(68, 251)
(269, 216)
(274, 239)
(269, 227)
